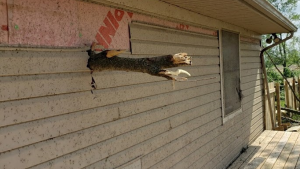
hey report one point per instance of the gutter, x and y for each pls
(266, 86)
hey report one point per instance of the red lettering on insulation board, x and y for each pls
(182, 27)
(111, 25)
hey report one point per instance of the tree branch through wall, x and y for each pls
(108, 60)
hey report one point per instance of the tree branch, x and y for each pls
(108, 60)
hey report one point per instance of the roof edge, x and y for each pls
(270, 11)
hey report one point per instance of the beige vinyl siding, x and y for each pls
(248, 125)
(50, 118)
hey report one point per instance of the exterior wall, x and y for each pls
(247, 126)
(50, 119)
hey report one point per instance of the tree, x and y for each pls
(287, 53)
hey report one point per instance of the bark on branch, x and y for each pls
(108, 60)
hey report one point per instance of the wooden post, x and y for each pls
(299, 91)
(293, 96)
(286, 88)
(266, 88)
(278, 104)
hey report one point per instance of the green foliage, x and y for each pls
(288, 72)
(274, 76)
(296, 117)
(285, 54)
(296, 73)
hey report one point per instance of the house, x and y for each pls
(49, 118)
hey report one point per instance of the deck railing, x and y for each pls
(282, 108)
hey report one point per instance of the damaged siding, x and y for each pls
(50, 119)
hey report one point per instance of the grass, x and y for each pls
(282, 103)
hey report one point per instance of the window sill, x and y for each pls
(231, 115)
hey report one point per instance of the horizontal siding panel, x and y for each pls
(226, 151)
(194, 113)
(196, 135)
(249, 46)
(255, 59)
(248, 85)
(34, 63)
(252, 103)
(253, 136)
(256, 131)
(250, 53)
(185, 152)
(252, 90)
(257, 117)
(51, 84)
(236, 147)
(204, 150)
(28, 62)
(147, 103)
(146, 47)
(200, 156)
(25, 110)
(205, 60)
(69, 143)
(259, 125)
(251, 100)
(214, 157)
(256, 121)
(149, 145)
(227, 144)
(105, 148)
(252, 112)
(41, 85)
(252, 96)
(229, 157)
(154, 33)
(246, 66)
(256, 106)
(44, 129)
(224, 158)
(247, 79)
(249, 72)
(201, 70)
(143, 148)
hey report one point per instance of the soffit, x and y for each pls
(254, 15)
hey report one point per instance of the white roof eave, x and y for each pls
(271, 12)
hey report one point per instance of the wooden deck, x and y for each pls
(271, 150)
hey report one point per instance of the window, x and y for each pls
(230, 72)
